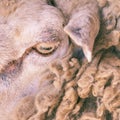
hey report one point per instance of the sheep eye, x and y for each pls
(46, 48)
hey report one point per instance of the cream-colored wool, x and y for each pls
(26, 34)
(57, 86)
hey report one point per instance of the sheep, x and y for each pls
(33, 34)
(31, 37)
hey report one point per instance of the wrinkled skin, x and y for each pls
(31, 37)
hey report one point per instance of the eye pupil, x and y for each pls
(45, 48)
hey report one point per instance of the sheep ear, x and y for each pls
(80, 37)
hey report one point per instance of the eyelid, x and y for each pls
(47, 47)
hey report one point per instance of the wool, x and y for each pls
(62, 84)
